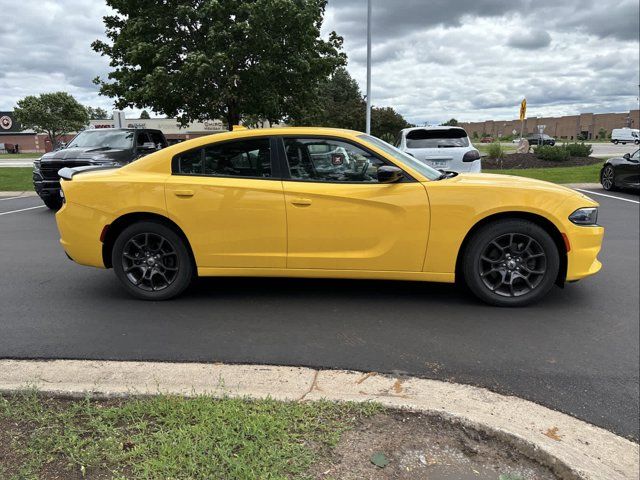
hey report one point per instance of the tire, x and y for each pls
(615, 142)
(53, 202)
(528, 257)
(637, 142)
(164, 269)
(607, 178)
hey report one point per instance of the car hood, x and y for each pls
(492, 180)
(89, 154)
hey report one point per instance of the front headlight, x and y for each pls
(585, 216)
(36, 164)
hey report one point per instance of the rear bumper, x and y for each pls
(582, 259)
(80, 228)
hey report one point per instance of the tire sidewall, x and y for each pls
(480, 240)
(185, 264)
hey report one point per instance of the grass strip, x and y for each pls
(15, 179)
(582, 174)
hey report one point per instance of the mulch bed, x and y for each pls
(529, 160)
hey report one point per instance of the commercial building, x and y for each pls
(572, 127)
(12, 133)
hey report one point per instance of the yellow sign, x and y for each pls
(523, 109)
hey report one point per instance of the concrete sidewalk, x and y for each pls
(570, 447)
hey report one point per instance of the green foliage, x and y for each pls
(451, 122)
(98, 113)
(578, 149)
(495, 150)
(171, 437)
(602, 134)
(52, 113)
(552, 154)
(581, 174)
(340, 104)
(144, 115)
(475, 135)
(217, 58)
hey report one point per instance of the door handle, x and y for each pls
(301, 202)
(183, 193)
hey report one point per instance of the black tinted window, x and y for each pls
(437, 138)
(247, 158)
(327, 160)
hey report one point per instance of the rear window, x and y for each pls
(452, 137)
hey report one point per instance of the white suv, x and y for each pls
(442, 147)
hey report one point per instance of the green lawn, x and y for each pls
(17, 156)
(15, 179)
(583, 174)
(169, 437)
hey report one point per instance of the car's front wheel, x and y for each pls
(152, 261)
(607, 178)
(54, 202)
(511, 263)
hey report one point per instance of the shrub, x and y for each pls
(578, 149)
(496, 151)
(552, 154)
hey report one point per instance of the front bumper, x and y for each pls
(45, 188)
(585, 244)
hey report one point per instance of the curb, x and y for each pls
(26, 193)
(570, 447)
(582, 185)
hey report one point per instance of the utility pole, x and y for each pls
(368, 124)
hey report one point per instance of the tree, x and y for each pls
(55, 114)
(337, 103)
(97, 113)
(387, 123)
(217, 58)
(451, 122)
(144, 115)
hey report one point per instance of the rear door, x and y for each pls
(230, 204)
(340, 218)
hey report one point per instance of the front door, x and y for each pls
(340, 218)
(224, 198)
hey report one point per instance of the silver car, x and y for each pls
(443, 147)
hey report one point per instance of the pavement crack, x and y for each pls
(314, 386)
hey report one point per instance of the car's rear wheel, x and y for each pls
(615, 142)
(53, 202)
(607, 178)
(511, 263)
(152, 261)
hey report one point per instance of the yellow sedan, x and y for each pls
(322, 203)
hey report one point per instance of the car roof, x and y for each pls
(432, 127)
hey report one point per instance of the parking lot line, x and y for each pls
(8, 198)
(608, 196)
(21, 210)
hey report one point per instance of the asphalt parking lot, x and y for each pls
(577, 351)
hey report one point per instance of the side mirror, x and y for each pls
(148, 147)
(389, 174)
(471, 156)
(627, 156)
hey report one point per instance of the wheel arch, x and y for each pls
(117, 226)
(539, 220)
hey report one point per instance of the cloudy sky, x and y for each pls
(433, 59)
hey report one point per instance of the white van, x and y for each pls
(625, 135)
(441, 147)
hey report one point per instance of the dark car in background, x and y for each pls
(100, 147)
(541, 139)
(621, 172)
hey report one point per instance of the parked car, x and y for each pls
(621, 172)
(258, 203)
(487, 140)
(544, 139)
(104, 147)
(443, 147)
(625, 135)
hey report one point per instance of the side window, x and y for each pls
(158, 139)
(142, 138)
(246, 158)
(327, 160)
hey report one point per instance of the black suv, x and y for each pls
(544, 139)
(107, 147)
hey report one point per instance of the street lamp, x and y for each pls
(368, 123)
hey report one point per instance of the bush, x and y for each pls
(578, 149)
(496, 151)
(552, 154)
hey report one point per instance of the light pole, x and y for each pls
(368, 124)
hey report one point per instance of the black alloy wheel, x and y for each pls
(607, 178)
(511, 263)
(152, 261)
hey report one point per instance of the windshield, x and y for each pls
(402, 157)
(437, 138)
(118, 139)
